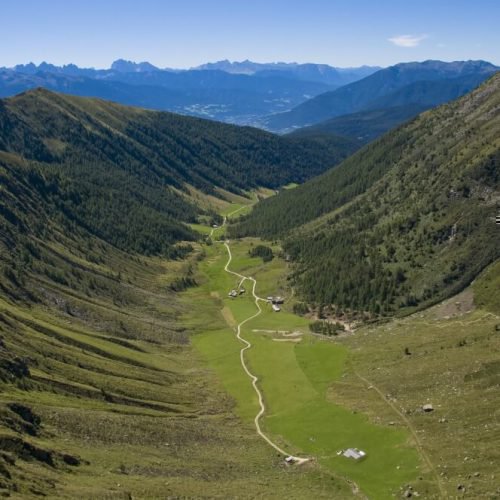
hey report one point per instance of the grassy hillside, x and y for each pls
(446, 356)
(366, 387)
(404, 222)
(295, 373)
(102, 396)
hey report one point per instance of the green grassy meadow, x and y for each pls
(295, 378)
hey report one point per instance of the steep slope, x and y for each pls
(387, 112)
(404, 222)
(365, 93)
(431, 93)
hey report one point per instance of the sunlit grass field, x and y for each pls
(295, 378)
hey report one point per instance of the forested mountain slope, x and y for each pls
(111, 169)
(406, 221)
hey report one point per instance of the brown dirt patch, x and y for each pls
(228, 317)
(456, 306)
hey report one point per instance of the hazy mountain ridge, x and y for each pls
(210, 91)
(428, 83)
(307, 71)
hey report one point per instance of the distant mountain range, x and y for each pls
(311, 72)
(242, 95)
(425, 84)
(322, 73)
(279, 97)
(239, 99)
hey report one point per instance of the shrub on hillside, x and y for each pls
(266, 253)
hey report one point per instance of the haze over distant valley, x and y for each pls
(238, 93)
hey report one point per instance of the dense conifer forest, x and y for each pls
(122, 173)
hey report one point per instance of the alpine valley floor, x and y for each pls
(142, 417)
(364, 390)
(296, 372)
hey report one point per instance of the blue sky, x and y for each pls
(186, 33)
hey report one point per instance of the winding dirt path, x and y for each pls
(248, 345)
(296, 460)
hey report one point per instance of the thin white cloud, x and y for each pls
(407, 40)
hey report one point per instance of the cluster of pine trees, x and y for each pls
(276, 216)
(326, 327)
(263, 251)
